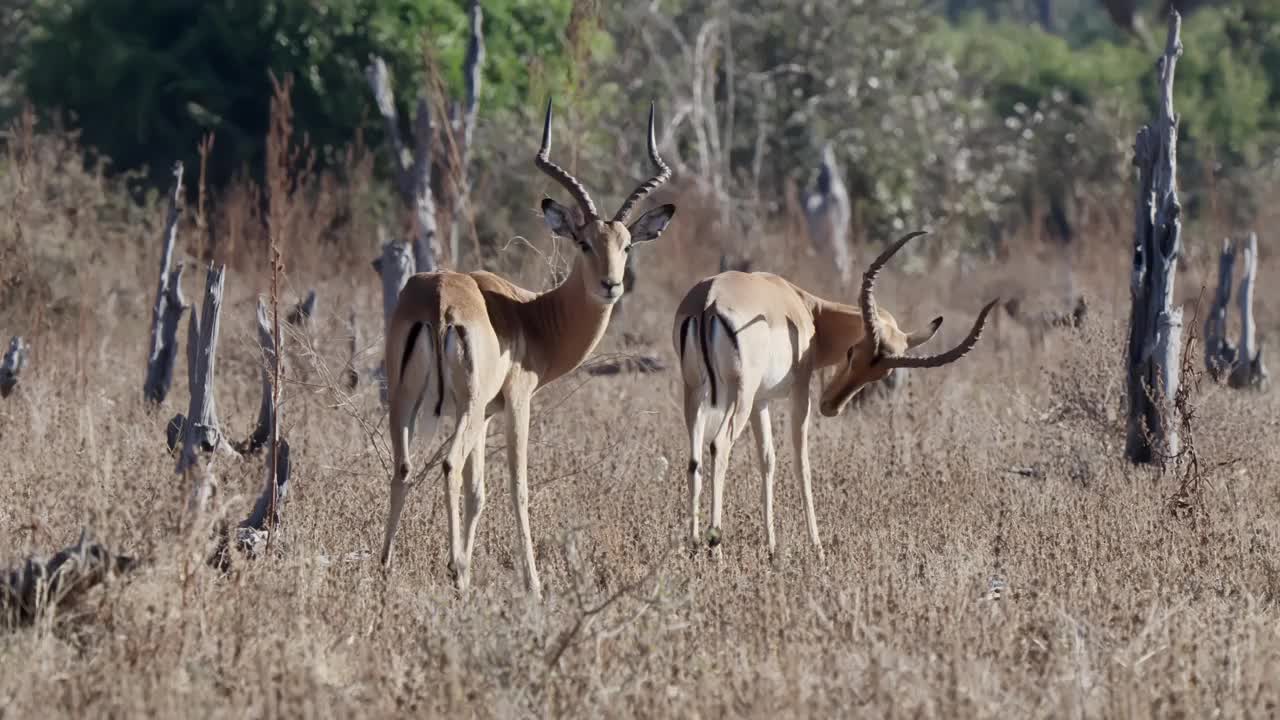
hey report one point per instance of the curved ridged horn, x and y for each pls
(950, 356)
(653, 183)
(867, 298)
(561, 175)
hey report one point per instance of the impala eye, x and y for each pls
(849, 354)
(627, 249)
(585, 247)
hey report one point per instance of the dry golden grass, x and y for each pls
(1006, 466)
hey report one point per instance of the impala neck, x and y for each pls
(571, 324)
(836, 326)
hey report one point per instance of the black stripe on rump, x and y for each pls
(706, 354)
(414, 330)
(684, 335)
(438, 347)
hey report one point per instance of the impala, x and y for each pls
(474, 344)
(747, 338)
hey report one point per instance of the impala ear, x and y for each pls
(923, 336)
(651, 224)
(558, 218)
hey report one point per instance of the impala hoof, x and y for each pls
(713, 538)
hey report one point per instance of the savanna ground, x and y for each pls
(1004, 467)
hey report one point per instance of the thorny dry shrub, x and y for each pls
(987, 549)
(326, 219)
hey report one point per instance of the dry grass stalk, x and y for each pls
(205, 149)
(1108, 605)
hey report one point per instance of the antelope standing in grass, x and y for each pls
(474, 344)
(747, 338)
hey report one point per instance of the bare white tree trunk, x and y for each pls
(1155, 325)
(828, 213)
(169, 305)
(15, 359)
(1249, 370)
(413, 168)
(465, 126)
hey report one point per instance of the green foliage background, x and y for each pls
(960, 109)
(145, 79)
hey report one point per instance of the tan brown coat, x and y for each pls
(473, 345)
(747, 338)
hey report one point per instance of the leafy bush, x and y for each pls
(912, 143)
(145, 79)
(1226, 90)
(1071, 111)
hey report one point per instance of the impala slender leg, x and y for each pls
(403, 416)
(721, 447)
(735, 421)
(800, 435)
(473, 474)
(762, 428)
(456, 457)
(696, 423)
(517, 460)
(399, 489)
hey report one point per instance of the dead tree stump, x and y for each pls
(202, 439)
(1219, 352)
(1155, 325)
(395, 266)
(15, 359)
(28, 591)
(267, 410)
(303, 311)
(254, 533)
(351, 376)
(1249, 371)
(169, 305)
